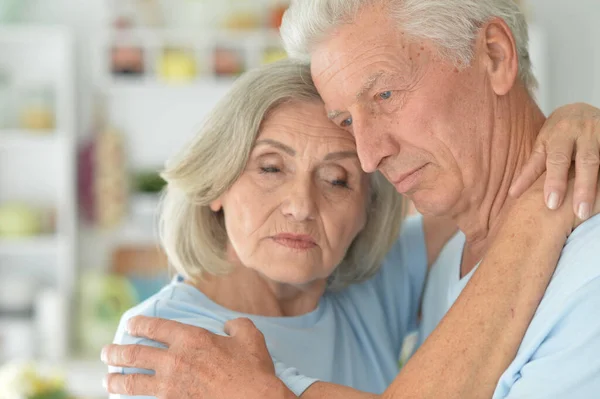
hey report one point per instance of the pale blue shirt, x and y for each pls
(352, 338)
(559, 356)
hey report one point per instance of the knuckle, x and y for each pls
(130, 354)
(588, 158)
(245, 322)
(564, 124)
(558, 159)
(129, 384)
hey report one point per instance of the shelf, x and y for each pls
(17, 138)
(190, 37)
(39, 245)
(117, 84)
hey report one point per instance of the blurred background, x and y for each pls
(95, 95)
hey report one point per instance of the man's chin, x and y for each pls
(427, 204)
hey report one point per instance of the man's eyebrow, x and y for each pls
(287, 149)
(368, 85)
(336, 156)
(334, 114)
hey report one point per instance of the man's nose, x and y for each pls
(373, 143)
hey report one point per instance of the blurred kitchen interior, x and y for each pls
(95, 95)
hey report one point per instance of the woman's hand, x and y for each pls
(563, 219)
(196, 364)
(571, 133)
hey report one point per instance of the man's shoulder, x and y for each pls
(579, 261)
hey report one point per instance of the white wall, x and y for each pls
(574, 53)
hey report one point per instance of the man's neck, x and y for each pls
(245, 290)
(517, 123)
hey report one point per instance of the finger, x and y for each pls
(587, 162)
(160, 330)
(558, 163)
(245, 330)
(533, 169)
(131, 384)
(134, 356)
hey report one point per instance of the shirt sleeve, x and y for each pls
(567, 362)
(295, 381)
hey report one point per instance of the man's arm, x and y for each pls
(476, 341)
(478, 338)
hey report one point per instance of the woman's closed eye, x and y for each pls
(269, 169)
(340, 183)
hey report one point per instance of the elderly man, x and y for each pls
(437, 95)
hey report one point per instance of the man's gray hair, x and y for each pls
(195, 238)
(450, 24)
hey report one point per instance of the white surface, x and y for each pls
(47, 245)
(574, 49)
(26, 140)
(40, 169)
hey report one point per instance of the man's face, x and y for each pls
(416, 118)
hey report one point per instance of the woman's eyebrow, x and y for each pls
(336, 156)
(287, 149)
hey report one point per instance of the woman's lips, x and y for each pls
(295, 241)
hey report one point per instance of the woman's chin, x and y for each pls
(297, 277)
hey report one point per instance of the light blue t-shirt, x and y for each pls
(353, 338)
(559, 356)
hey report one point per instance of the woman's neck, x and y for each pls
(245, 290)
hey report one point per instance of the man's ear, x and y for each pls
(497, 47)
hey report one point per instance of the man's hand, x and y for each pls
(196, 364)
(571, 133)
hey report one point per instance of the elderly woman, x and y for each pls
(268, 215)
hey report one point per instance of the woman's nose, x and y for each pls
(300, 204)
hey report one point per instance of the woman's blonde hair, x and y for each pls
(194, 237)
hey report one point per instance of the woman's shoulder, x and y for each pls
(178, 302)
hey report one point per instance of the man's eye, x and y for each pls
(385, 95)
(346, 122)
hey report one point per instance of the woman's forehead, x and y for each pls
(304, 121)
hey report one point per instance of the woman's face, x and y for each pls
(300, 201)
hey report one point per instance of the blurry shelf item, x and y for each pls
(145, 204)
(128, 84)
(26, 138)
(188, 37)
(37, 245)
(134, 233)
(176, 58)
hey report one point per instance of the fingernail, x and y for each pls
(584, 211)
(103, 356)
(552, 201)
(104, 383)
